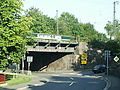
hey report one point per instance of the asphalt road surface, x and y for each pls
(69, 81)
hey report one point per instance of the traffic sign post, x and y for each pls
(29, 60)
(84, 62)
(107, 55)
(116, 59)
(84, 58)
(23, 58)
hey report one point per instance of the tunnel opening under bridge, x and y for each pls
(41, 60)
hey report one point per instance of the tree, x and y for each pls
(109, 29)
(113, 30)
(68, 24)
(41, 23)
(14, 29)
(89, 32)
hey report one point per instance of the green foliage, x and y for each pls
(113, 30)
(14, 29)
(113, 46)
(41, 23)
(109, 29)
(68, 24)
(17, 80)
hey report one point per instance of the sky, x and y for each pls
(96, 12)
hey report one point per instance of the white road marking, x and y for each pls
(23, 88)
(61, 81)
(94, 82)
(70, 73)
(39, 84)
(87, 76)
(79, 74)
(108, 84)
(55, 75)
(71, 83)
(72, 78)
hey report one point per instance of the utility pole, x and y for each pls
(114, 12)
(57, 21)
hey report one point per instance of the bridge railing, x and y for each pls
(50, 49)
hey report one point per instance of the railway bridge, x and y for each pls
(47, 51)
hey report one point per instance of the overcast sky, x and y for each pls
(97, 12)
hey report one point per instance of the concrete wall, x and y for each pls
(95, 56)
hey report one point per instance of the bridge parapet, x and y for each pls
(51, 49)
(53, 46)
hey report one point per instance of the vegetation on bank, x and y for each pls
(14, 80)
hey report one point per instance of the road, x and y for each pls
(69, 81)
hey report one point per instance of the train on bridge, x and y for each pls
(51, 37)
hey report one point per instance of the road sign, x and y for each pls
(84, 62)
(29, 59)
(84, 56)
(107, 57)
(107, 53)
(116, 58)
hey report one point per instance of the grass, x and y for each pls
(18, 80)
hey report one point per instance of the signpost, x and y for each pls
(107, 55)
(83, 59)
(116, 59)
(84, 56)
(23, 58)
(84, 62)
(29, 60)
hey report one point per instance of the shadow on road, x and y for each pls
(69, 83)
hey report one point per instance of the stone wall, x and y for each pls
(68, 62)
(65, 63)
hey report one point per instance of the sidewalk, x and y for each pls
(115, 83)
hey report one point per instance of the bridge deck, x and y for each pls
(53, 46)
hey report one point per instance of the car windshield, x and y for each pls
(103, 65)
(97, 66)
